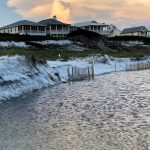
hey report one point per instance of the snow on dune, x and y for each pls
(13, 44)
(55, 42)
(102, 64)
(24, 45)
(18, 77)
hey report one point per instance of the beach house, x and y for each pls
(136, 31)
(49, 27)
(25, 27)
(55, 28)
(101, 28)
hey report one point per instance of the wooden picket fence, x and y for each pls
(78, 74)
(138, 66)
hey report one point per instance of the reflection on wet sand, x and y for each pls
(111, 112)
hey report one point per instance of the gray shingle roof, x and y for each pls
(52, 22)
(23, 22)
(89, 23)
(134, 29)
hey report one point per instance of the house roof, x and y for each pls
(89, 23)
(23, 22)
(52, 22)
(134, 29)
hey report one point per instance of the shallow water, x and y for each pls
(111, 112)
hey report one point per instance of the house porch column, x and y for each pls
(50, 30)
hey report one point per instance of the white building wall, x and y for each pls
(13, 30)
(1, 31)
(135, 34)
(148, 34)
(115, 32)
(6, 30)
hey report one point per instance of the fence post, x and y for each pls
(75, 73)
(138, 66)
(115, 66)
(75, 70)
(93, 69)
(89, 75)
(126, 67)
(72, 70)
(69, 74)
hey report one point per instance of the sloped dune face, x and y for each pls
(18, 76)
(111, 112)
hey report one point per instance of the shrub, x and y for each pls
(24, 38)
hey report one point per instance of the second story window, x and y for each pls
(53, 27)
(19, 28)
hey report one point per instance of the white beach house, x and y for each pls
(25, 27)
(101, 28)
(55, 28)
(136, 31)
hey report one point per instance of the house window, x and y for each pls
(34, 28)
(16, 29)
(41, 29)
(27, 28)
(59, 27)
(20, 28)
(53, 27)
(65, 28)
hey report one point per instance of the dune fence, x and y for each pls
(138, 66)
(78, 74)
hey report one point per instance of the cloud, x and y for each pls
(41, 8)
(120, 12)
(62, 10)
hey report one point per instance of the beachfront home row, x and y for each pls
(54, 28)
(49, 27)
(57, 29)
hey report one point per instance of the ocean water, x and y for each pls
(111, 112)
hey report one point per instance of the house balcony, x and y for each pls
(59, 31)
(32, 32)
(102, 32)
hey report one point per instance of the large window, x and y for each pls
(95, 28)
(34, 28)
(65, 28)
(10, 29)
(59, 27)
(41, 28)
(20, 28)
(27, 28)
(53, 27)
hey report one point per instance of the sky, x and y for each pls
(122, 13)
